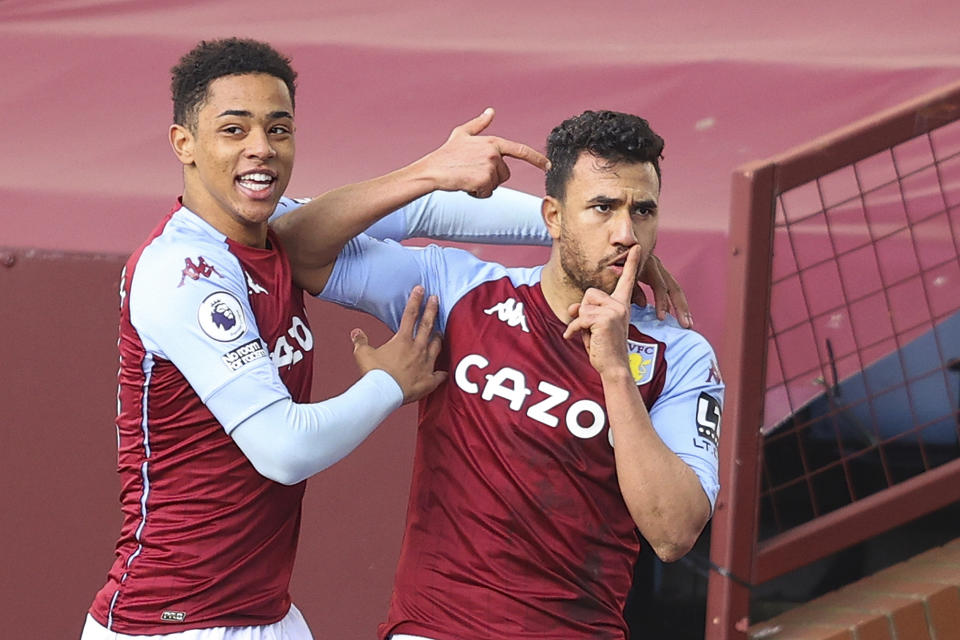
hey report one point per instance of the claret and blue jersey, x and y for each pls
(205, 540)
(515, 523)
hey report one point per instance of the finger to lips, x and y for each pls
(628, 278)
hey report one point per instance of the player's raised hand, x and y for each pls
(667, 293)
(409, 356)
(602, 319)
(471, 162)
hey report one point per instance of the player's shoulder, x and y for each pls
(469, 270)
(182, 247)
(668, 330)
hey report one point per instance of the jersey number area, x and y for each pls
(286, 353)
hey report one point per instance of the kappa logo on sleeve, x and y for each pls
(221, 317)
(643, 360)
(197, 270)
(714, 374)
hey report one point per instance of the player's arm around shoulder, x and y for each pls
(377, 276)
(467, 161)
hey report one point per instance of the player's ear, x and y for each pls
(550, 209)
(182, 141)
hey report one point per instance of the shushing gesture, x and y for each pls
(602, 319)
(474, 163)
(409, 356)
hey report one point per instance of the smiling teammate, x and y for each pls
(215, 430)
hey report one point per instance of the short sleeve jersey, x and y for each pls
(206, 540)
(516, 526)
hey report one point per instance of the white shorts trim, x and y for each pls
(291, 627)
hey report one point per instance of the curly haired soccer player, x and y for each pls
(570, 419)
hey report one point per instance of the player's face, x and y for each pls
(240, 154)
(607, 209)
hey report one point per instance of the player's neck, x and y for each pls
(237, 229)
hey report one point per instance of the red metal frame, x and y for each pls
(734, 545)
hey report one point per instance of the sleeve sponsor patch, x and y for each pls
(708, 418)
(244, 354)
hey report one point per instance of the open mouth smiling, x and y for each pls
(256, 180)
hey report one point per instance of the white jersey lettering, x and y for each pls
(511, 385)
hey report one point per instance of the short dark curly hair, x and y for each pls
(608, 135)
(212, 59)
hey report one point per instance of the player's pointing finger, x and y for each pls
(522, 152)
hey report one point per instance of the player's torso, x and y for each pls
(193, 506)
(518, 514)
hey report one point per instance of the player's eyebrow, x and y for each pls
(242, 113)
(601, 199)
(645, 204)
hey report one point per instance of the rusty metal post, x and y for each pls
(743, 361)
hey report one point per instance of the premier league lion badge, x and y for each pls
(221, 317)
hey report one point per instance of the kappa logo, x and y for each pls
(252, 285)
(195, 271)
(511, 312)
(714, 375)
(643, 360)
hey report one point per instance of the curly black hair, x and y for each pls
(213, 59)
(608, 135)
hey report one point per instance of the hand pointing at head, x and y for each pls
(471, 162)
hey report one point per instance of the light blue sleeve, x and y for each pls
(506, 217)
(289, 442)
(376, 276)
(197, 323)
(687, 414)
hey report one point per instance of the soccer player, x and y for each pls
(215, 430)
(570, 419)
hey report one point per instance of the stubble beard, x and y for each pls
(577, 274)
